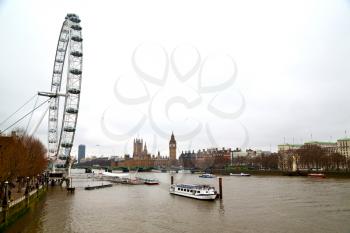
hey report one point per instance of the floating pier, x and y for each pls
(98, 186)
(71, 189)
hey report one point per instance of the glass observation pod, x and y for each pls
(75, 71)
(76, 54)
(75, 20)
(52, 141)
(62, 157)
(72, 110)
(70, 15)
(74, 91)
(77, 39)
(69, 129)
(60, 165)
(76, 27)
(66, 144)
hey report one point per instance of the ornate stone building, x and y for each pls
(141, 157)
(172, 149)
(343, 147)
(140, 149)
(203, 159)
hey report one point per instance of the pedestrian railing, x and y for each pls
(12, 203)
(15, 202)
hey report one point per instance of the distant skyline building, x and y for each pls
(343, 147)
(81, 152)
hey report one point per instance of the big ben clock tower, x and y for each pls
(172, 149)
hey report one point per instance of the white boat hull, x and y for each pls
(239, 174)
(200, 197)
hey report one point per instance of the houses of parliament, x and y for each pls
(141, 157)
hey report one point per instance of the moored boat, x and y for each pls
(201, 192)
(207, 175)
(239, 174)
(317, 175)
(151, 181)
(133, 181)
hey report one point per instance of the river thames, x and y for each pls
(250, 204)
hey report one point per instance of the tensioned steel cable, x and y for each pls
(27, 114)
(41, 119)
(18, 110)
(31, 115)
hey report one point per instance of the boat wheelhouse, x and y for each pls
(201, 192)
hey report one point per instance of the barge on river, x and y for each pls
(201, 192)
(207, 175)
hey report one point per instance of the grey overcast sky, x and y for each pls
(290, 79)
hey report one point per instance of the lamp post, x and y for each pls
(27, 186)
(5, 204)
(5, 201)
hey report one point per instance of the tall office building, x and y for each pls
(81, 152)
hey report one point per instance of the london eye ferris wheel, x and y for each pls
(68, 62)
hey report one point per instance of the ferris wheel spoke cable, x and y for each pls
(31, 98)
(39, 123)
(31, 115)
(46, 101)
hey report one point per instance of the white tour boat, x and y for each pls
(239, 174)
(202, 192)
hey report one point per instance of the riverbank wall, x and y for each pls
(13, 210)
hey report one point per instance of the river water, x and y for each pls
(250, 204)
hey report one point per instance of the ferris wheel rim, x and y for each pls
(69, 47)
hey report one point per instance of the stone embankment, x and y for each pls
(12, 210)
